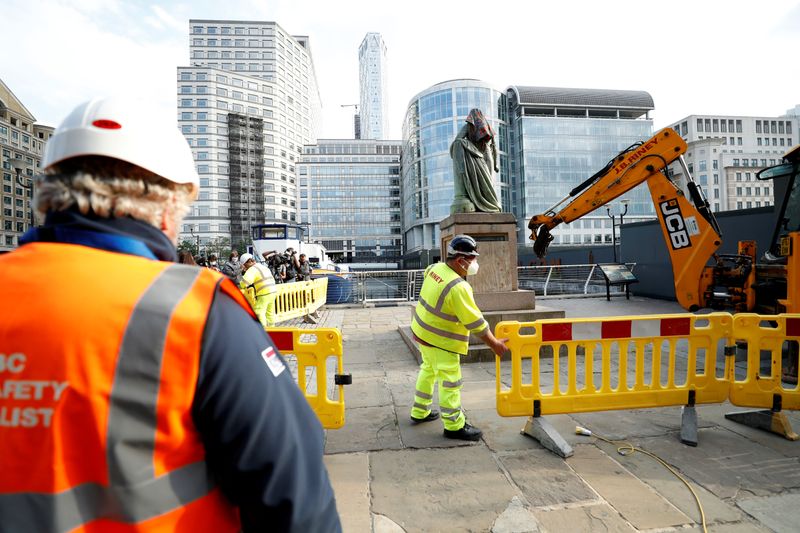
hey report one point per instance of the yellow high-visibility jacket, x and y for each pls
(446, 312)
(260, 278)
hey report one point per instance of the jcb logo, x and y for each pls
(673, 221)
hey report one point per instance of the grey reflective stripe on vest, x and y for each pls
(476, 324)
(436, 312)
(266, 281)
(67, 510)
(133, 494)
(446, 291)
(438, 331)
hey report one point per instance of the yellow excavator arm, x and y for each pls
(633, 166)
(690, 230)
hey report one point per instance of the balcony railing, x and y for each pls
(379, 286)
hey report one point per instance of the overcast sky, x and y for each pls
(694, 57)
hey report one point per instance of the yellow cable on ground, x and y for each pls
(628, 448)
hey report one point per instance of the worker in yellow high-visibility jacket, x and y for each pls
(443, 319)
(260, 279)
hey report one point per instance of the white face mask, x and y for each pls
(472, 269)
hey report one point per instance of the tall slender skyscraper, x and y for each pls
(373, 84)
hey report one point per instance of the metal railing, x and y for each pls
(376, 286)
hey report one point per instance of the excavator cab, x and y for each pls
(778, 289)
(787, 188)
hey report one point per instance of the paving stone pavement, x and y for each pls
(391, 476)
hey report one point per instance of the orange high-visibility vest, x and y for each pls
(99, 360)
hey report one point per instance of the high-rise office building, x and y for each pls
(247, 105)
(559, 137)
(373, 108)
(433, 118)
(726, 152)
(21, 149)
(350, 199)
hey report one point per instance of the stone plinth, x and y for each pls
(495, 285)
(496, 234)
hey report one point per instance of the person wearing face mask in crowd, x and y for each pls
(213, 264)
(443, 319)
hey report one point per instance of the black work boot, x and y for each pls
(433, 415)
(466, 433)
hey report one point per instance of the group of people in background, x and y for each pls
(286, 267)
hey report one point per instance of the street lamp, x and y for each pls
(191, 231)
(614, 225)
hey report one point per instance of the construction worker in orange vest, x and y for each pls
(138, 394)
(444, 317)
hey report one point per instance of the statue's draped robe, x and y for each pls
(472, 171)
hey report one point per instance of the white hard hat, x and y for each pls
(127, 130)
(244, 258)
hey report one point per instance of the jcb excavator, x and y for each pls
(734, 282)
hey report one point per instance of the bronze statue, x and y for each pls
(474, 154)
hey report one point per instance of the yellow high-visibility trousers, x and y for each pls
(264, 307)
(442, 367)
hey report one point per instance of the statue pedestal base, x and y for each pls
(495, 285)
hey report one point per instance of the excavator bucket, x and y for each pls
(541, 240)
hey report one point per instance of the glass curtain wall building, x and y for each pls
(350, 199)
(247, 105)
(432, 120)
(559, 138)
(374, 110)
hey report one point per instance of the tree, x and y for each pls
(219, 246)
(190, 245)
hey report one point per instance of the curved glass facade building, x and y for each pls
(433, 118)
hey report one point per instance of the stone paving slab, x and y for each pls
(639, 504)
(670, 487)
(600, 517)
(367, 392)
(716, 413)
(364, 355)
(729, 465)
(479, 395)
(457, 489)
(501, 434)
(349, 474)
(636, 422)
(425, 435)
(364, 370)
(738, 527)
(546, 479)
(368, 428)
(779, 513)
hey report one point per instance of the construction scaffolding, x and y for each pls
(246, 152)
